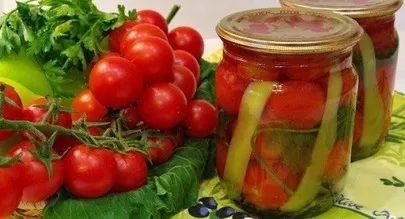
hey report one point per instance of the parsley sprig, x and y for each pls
(62, 35)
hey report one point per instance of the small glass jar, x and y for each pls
(375, 58)
(286, 90)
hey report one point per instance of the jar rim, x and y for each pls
(289, 31)
(353, 9)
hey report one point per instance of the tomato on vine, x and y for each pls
(116, 35)
(132, 171)
(153, 17)
(10, 111)
(90, 172)
(153, 56)
(187, 39)
(201, 119)
(187, 60)
(131, 117)
(140, 31)
(115, 82)
(10, 190)
(161, 149)
(184, 79)
(85, 104)
(162, 106)
(37, 184)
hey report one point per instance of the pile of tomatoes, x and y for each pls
(148, 80)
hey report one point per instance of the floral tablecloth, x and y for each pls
(375, 186)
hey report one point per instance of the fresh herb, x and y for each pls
(62, 35)
(206, 88)
(295, 145)
(172, 187)
(345, 116)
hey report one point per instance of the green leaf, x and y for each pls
(171, 187)
(65, 10)
(62, 29)
(386, 181)
(206, 88)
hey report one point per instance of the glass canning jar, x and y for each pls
(286, 90)
(375, 58)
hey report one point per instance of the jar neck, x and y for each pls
(337, 60)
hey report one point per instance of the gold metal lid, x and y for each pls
(290, 31)
(351, 8)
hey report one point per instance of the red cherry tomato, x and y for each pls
(131, 117)
(161, 151)
(349, 80)
(338, 161)
(36, 183)
(140, 31)
(153, 17)
(266, 73)
(267, 149)
(185, 80)
(117, 34)
(132, 171)
(201, 119)
(298, 104)
(262, 191)
(90, 172)
(308, 68)
(153, 56)
(115, 82)
(162, 106)
(187, 60)
(187, 39)
(177, 135)
(86, 104)
(230, 88)
(11, 112)
(10, 191)
(64, 143)
(36, 114)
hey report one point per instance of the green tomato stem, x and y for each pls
(172, 13)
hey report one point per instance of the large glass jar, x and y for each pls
(286, 90)
(375, 58)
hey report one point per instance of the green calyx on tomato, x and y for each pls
(311, 181)
(251, 108)
(373, 112)
(8, 161)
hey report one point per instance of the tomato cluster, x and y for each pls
(145, 85)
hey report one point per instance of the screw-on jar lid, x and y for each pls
(290, 31)
(351, 8)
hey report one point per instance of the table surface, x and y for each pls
(212, 44)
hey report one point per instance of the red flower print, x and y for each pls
(258, 28)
